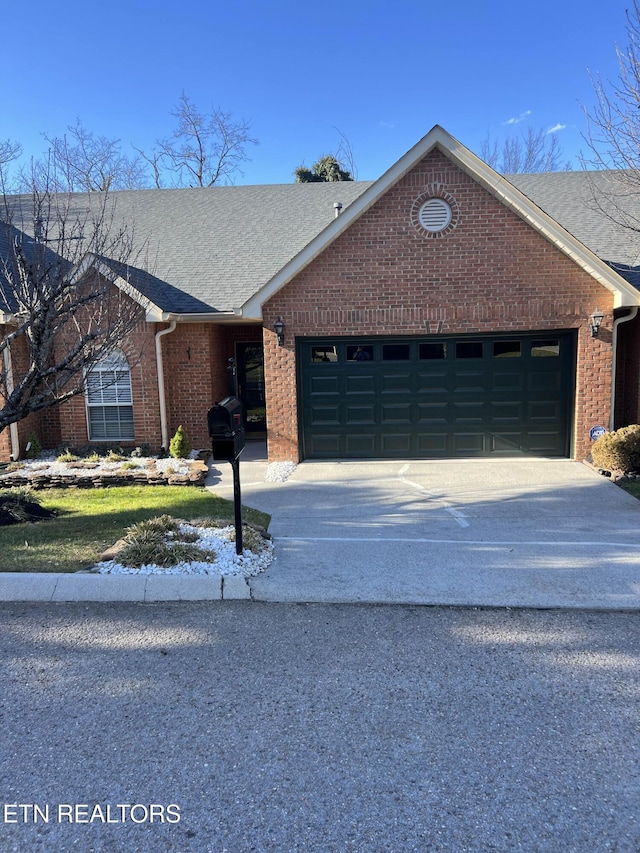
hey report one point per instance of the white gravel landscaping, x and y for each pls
(222, 540)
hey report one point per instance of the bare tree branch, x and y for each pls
(205, 149)
(61, 312)
(613, 133)
(80, 161)
(532, 151)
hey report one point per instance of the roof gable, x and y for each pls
(499, 186)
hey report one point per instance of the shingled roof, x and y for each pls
(209, 250)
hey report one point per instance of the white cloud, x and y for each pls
(521, 117)
(556, 128)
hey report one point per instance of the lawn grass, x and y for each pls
(631, 486)
(90, 520)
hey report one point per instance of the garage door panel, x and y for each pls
(396, 383)
(399, 413)
(433, 444)
(468, 443)
(396, 444)
(507, 442)
(361, 444)
(438, 382)
(360, 415)
(506, 411)
(502, 382)
(470, 411)
(547, 381)
(329, 384)
(469, 381)
(438, 397)
(323, 415)
(550, 410)
(433, 413)
(326, 445)
(360, 383)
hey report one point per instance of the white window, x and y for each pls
(109, 401)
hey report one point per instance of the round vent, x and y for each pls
(434, 215)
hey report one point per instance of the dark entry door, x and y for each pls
(250, 367)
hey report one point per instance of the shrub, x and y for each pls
(67, 456)
(33, 447)
(618, 450)
(179, 446)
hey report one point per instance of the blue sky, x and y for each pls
(381, 73)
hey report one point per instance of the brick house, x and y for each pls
(440, 311)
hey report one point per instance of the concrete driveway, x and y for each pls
(535, 533)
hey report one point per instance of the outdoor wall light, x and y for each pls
(279, 330)
(595, 321)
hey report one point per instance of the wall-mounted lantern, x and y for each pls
(595, 321)
(279, 330)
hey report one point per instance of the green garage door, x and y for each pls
(442, 397)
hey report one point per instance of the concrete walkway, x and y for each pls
(510, 533)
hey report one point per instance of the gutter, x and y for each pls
(13, 428)
(631, 316)
(164, 432)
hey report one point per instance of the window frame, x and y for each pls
(117, 364)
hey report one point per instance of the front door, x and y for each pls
(250, 367)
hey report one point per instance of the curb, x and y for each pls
(58, 587)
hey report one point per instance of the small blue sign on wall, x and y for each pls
(596, 431)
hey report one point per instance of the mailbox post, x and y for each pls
(226, 431)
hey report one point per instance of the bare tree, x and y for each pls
(205, 148)
(532, 151)
(80, 161)
(60, 312)
(9, 152)
(613, 133)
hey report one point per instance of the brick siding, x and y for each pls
(490, 272)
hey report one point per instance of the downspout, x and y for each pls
(164, 432)
(13, 428)
(616, 323)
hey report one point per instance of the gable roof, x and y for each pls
(218, 253)
(506, 191)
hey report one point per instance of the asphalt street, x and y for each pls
(231, 727)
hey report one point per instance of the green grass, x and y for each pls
(631, 486)
(91, 520)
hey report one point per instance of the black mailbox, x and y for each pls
(226, 430)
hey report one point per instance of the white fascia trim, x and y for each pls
(220, 317)
(624, 294)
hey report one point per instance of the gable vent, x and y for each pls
(434, 215)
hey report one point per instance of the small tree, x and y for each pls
(179, 446)
(327, 168)
(205, 148)
(60, 313)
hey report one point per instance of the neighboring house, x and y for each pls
(441, 311)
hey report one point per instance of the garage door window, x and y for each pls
(469, 349)
(507, 349)
(323, 353)
(359, 353)
(426, 352)
(395, 352)
(545, 349)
